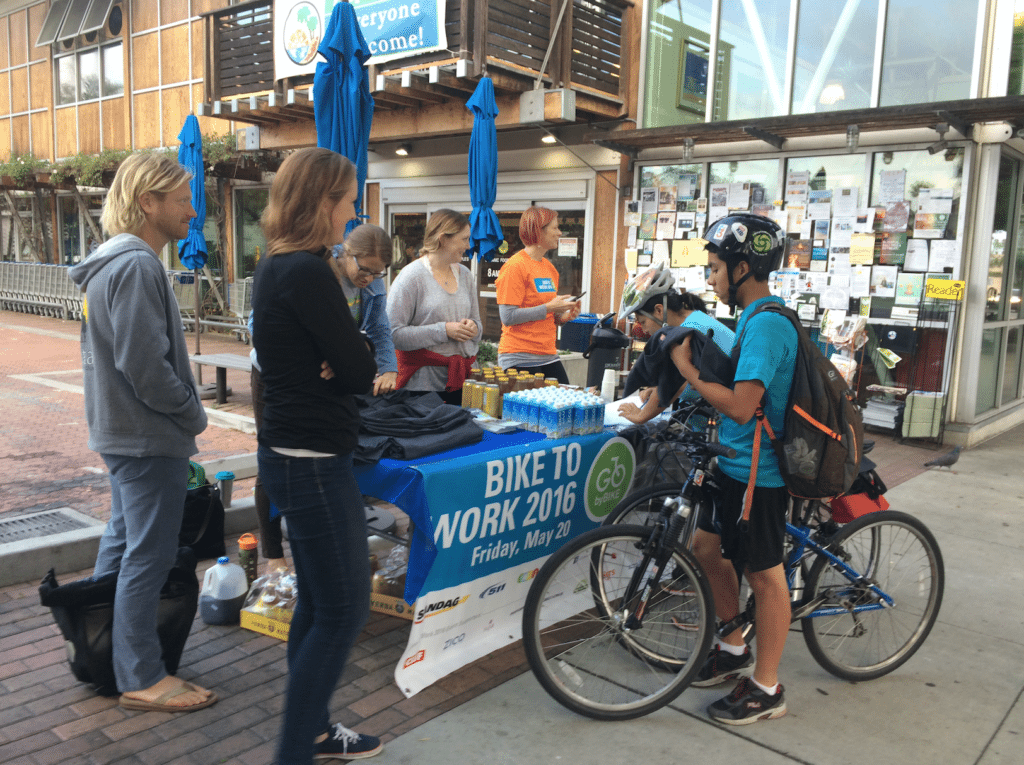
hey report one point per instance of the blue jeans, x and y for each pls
(323, 507)
(147, 501)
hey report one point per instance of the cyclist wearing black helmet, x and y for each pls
(743, 249)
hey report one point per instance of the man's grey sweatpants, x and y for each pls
(147, 501)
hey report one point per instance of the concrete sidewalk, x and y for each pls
(958, 700)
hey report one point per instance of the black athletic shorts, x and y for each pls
(760, 547)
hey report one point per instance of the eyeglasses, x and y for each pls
(371, 272)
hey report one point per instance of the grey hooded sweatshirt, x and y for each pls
(140, 396)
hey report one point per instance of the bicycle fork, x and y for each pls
(659, 549)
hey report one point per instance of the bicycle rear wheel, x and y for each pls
(898, 554)
(581, 643)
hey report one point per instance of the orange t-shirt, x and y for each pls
(524, 283)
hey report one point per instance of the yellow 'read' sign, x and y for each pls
(944, 289)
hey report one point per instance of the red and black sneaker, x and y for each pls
(723, 667)
(748, 704)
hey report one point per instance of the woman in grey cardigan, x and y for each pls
(434, 311)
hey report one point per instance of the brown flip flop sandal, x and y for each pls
(160, 703)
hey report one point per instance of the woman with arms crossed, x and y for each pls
(303, 332)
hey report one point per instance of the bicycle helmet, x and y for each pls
(744, 237)
(655, 281)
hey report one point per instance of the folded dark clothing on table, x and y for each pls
(407, 425)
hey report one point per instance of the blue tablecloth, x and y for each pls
(401, 483)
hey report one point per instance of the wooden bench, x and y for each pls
(222, 362)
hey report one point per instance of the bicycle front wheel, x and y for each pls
(642, 506)
(862, 637)
(582, 636)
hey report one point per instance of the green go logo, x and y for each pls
(610, 476)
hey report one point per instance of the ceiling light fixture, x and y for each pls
(404, 149)
(548, 138)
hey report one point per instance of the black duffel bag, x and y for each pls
(202, 525)
(84, 611)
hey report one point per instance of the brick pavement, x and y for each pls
(46, 716)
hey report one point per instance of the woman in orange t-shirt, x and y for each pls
(528, 299)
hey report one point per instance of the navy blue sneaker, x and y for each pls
(723, 667)
(344, 744)
(748, 704)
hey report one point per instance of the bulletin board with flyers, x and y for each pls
(865, 235)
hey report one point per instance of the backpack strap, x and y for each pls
(748, 495)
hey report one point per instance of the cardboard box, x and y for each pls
(389, 604)
(273, 621)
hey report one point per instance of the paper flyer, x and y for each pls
(649, 200)
(860, 281)
(930, 225)
(935, 201)
(909, 288)
(944, 253)
(659, 251)
(883, 281)
(648, 224)
(689, 252)
(795, 218)
(862, 249)
(739, 196)
(684, 222)
(631, 255)
(687, 188)
(894, 248)
(917, 255)
(667, 198)
(897, 216)
(631, 219)
(844, 202)
(892, 186)
(799, 254)
(631, 236)
(797, 185)
(819, 210)
(864, 220)
(666, 225)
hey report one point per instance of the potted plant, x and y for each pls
(20, 169)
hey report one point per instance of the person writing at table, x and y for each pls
(435, 313)
(528, 299)
(314, 362)
(651, 298)
(361, 264)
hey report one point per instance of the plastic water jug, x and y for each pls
(224, 589)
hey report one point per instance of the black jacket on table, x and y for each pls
(300, 320)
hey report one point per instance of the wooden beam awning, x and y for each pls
(955, 114)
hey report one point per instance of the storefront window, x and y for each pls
(835, 52)
(250, 244)
(1011, 366)
(761, 174)
(928, 56)
(988, 368)
(833, 172)
(671, 175)
(921, 170)
(678, 43)
(752, 48)
(1001, 344)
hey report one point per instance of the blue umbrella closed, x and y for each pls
(342, 104)
(192, 249)
(485, 232)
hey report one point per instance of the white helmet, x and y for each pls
(657, 280)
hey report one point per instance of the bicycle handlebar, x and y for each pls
(717, 450)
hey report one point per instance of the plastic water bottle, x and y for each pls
(224, 589)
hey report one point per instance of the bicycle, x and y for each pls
(612, 631)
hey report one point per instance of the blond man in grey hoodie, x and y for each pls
(144, 414)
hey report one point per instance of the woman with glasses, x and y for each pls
(361, 264)
(434, 311)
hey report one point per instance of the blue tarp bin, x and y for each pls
(575, 334)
